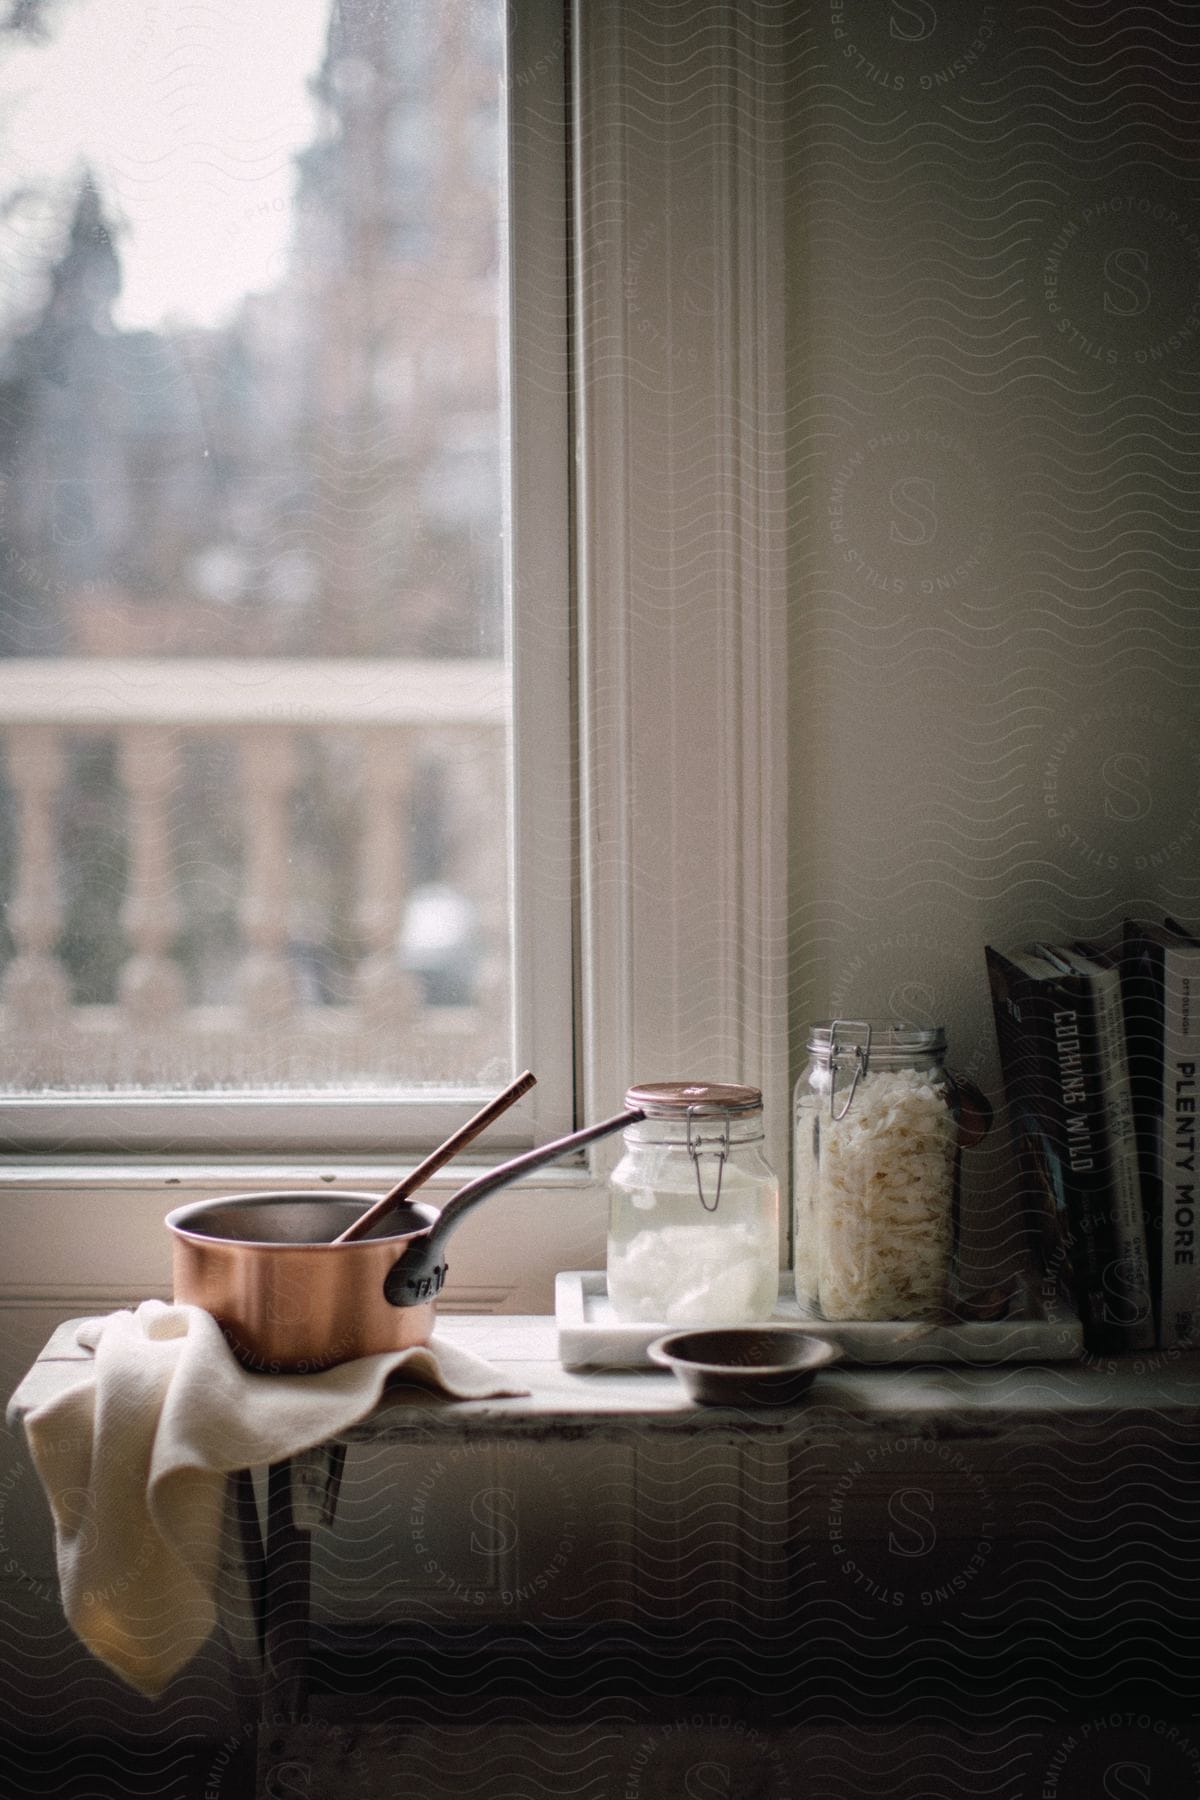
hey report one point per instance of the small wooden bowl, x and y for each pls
(745, 1365)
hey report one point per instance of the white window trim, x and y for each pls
(680, 685)
(682, 509)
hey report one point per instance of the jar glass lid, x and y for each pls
(679, 1099)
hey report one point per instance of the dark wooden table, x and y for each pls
(1004, 1407)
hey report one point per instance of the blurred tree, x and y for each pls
(28, 17)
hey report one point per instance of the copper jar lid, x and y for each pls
(679, 1099)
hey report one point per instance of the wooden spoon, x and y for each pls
(433, 1162)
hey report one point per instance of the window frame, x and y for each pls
(678, 862)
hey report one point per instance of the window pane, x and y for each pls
(254, 693)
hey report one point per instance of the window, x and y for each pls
(268, 808)
(647, 788)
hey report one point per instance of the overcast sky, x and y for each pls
(190, 115)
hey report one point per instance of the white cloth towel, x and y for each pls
(134, 1461)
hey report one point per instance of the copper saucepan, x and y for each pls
(288, 1298)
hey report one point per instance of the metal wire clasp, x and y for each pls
(698, 1146)
(862, 1056)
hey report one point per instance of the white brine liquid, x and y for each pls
(672, 1263)
(874, 1200)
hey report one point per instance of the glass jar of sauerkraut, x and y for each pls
(876, 1172)
(694, 1222)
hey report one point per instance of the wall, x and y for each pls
(994, 277)
(992, 731)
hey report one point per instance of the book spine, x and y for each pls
(1180, 1058)
(1076, 1123)
(1129, 1280)
(1055, 1259)
(1141, 988)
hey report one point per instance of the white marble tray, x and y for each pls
(590, 1336)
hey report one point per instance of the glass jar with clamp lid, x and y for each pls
(876, 1171)
(694, 1221)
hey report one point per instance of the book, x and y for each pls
(1162, 1011)
(1102, 968)
(1052, 1025)
(1060, 1256)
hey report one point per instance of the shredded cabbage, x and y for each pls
(874, 1200)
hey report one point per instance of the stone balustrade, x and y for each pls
(388, 719)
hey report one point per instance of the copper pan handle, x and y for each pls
(420, 1274)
